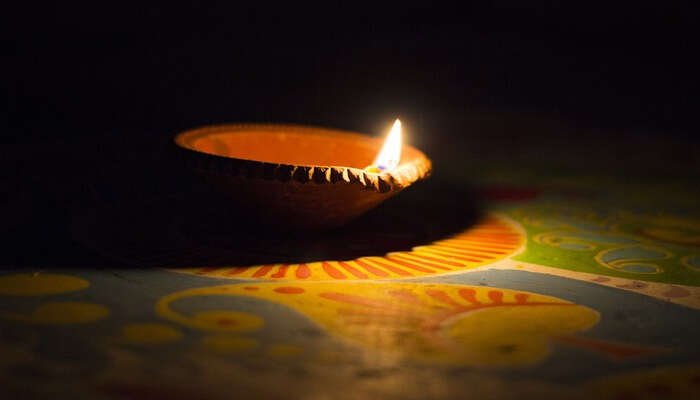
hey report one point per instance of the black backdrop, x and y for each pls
(96, 91)
(82, 69)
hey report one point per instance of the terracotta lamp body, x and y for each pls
(294, 176)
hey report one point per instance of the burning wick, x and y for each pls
(390, 154)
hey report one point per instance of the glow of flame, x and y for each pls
(390, 154)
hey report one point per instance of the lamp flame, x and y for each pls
(390, 154)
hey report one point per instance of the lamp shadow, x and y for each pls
(201, 229)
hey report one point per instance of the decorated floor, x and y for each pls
(502, 292)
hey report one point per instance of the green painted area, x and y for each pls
(586, 236)
(609, 219)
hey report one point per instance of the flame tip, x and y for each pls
(390, 154)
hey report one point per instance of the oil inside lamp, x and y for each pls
(390, 154)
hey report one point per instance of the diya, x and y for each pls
(301, 177)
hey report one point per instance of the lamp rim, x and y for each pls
(403, 175)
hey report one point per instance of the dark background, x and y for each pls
(84, 69)
(97, 91)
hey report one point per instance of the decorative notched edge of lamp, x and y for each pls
(400, 177)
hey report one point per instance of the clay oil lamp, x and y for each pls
(299, 177)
